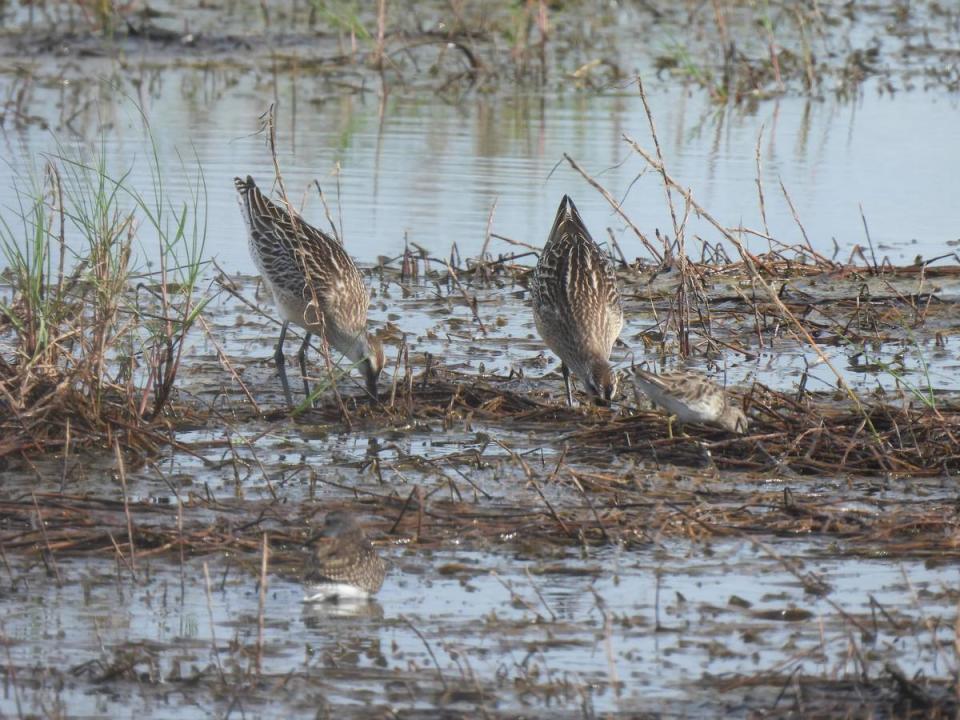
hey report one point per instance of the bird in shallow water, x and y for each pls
(343, 565)
(576, 304)
(691, 398)
(314, 284)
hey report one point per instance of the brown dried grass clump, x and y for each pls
(815, 434)
(89, 350)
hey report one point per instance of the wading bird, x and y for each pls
(343, 565)
(691, 398)
(314, 284)
(576, 304)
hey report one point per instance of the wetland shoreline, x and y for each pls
(544, 560)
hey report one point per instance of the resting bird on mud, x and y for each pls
(343, 565)
(313, 281)
(691, 398)
(576, 304)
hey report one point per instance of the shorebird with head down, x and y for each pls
(314, 284)
(576, 304)
(691, 398)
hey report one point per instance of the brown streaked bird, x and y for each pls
(343, 565)
(576, 304)
(313, 281)
(691, 398)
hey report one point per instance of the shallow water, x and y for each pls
(429, 173)
(513, 625)
(435, 320)
(507, 630)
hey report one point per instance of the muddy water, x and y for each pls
(498, 631)
(500, 624)
(497, 625)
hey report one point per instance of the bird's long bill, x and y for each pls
(602, 401)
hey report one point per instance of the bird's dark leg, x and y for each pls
(278, 355)
(286, 386)
(302, 357)
(566, 380)
(279, 359)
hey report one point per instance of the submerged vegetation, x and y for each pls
(143, 427)
(104, 296)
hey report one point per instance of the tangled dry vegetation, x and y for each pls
(605, 463)
(93, 353)
(91, 347)
(816, 434)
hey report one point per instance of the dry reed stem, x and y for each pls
(470, 302)
(11, 669)
(122, 472)
(338, 236)
(262, 600)
(749, 262)
(677, 234)
(46, 541)
(225, 362)
(487, 234)
(213, 632)
(617, 208)
(436, 664)
(763, 206)
(332, 378)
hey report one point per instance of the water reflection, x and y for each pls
(714, 605)
(415, 169)
(317, 614)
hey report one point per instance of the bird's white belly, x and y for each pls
(696, 413)
(686, 411)
(331, 592)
